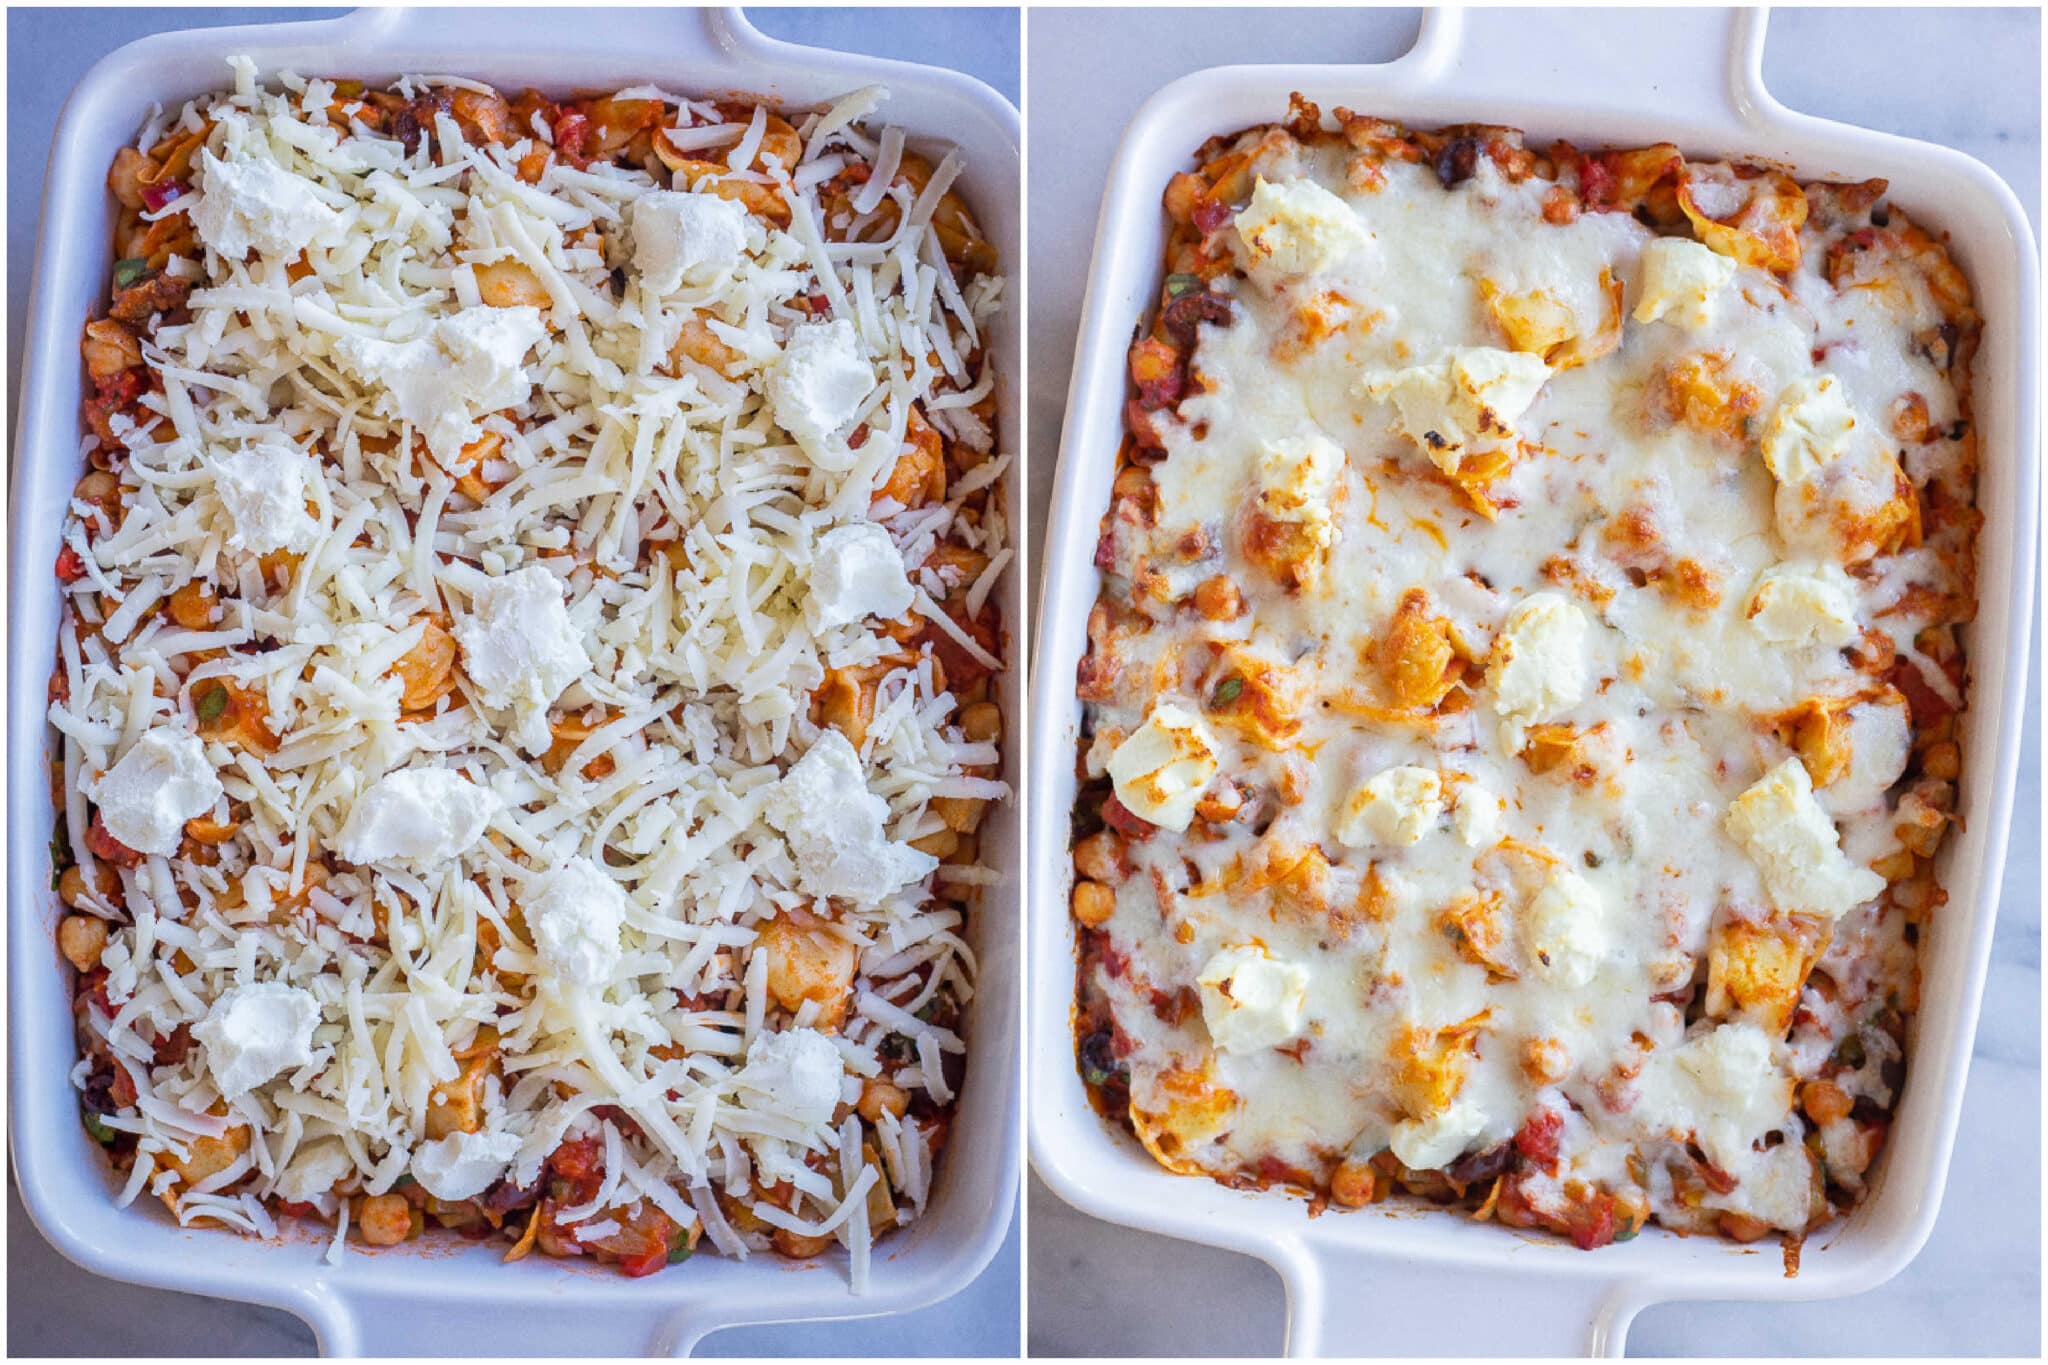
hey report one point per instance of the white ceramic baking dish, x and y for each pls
(1408, 1282)
(444, 1300)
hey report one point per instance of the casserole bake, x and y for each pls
(965, 1225)
(407, 891)
(1472, 709)
(1507, 73)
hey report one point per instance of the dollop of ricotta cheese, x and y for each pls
(797, 1072)
(1796, 847)
(685, 237)
(1431, 1143)
(263, 488)
(577, 914)
(1804, 603)
(520, 648)
(251, 204)
(422, 816)
(464, 1165)
(833, 826)
(467, 365)
(1250, 1000)
(152, 790)
(1162, 767)
(816, 387)
(253, 1032)
(1472, 399)
(1680, 279)
(1567, 930)
(1538, 665)
(1396, 808)
(1810, 427)
(857, 573)
(1296, 227)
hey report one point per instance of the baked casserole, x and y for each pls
(1520, 709)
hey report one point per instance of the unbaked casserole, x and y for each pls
(523, 710)
(1521, 708)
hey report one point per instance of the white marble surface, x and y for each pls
(1967, 78)
(53, 1307)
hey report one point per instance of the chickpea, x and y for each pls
(962, 814)
(878, 1096)
(72, 890)
(809, 964)
(1740, 1227)
(1099, 857)
(109, 348)
(1353, 1184)
(1545, 1061)
(195, 606)
(698, 342)
(1824, 1101)
(1943, 760)
(82, 938)
(939, 843)
(509, 284)
(1218, 599)
(982, 722)
(124, 177)
(102, 490)
(796, 1246)
(1094, 903)
(385, 1219)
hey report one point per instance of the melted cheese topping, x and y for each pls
(484, 762)
(1502, 896)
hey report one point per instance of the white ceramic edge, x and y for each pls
(369, 1305)
(1581, 1302)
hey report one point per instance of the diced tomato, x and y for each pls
(106, 847)
(572, 135)
(70, 565)
(1138, 418)
(1596, 183)
(161, 193)
(579, 1164)
(1125, 821)
(1593, 1223)
(1926, 704)
(1211, 215)
(642, 1246)
(1537, 1140)
(297, 1209)
(123, 1091)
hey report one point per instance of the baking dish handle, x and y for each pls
(677, 33)
(1654, 59)
(353, 1323)
(1349, 1303)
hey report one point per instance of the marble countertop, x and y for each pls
(53, 1307)
(1967, 78)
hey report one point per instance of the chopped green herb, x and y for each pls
(128, 270)
(213, 704)
(1176, 285)
(1227, 691)
(97, 1128)
(679, 1250)
(1849, 1053)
